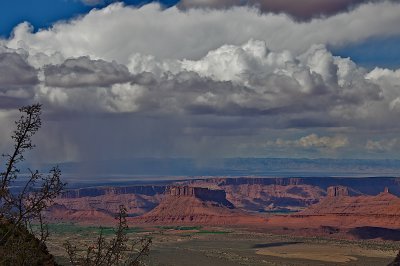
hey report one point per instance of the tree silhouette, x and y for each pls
(23, 232)
(119, 250)
(23, 205)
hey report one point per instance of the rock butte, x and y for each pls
(185, 204)
(340, 210)
(234, 201)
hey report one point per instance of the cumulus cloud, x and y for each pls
(81, 72)
(244, 80)
(311, 89)
(253, 79)
(17, 79)
(303, 10)
(175, 34)
(15, 72)
(314, 141)
(208, 87)
(383, 145)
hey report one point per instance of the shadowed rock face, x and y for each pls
(196, 205)
(76, 204)
(368, 186)
(99, 191)
(396, 261)
(264, 195)
(341, 211)
(204, 194)
(369, 232)
(337, 191)
(383, 204)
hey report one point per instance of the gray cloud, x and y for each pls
(229, 102)
(314, 141)
(314, 89)
(302, 10)
(83, 71)
(93, 2)
(15, 72)
(383, 145)
(17, 79)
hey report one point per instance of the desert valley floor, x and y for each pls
(243, 221)
(235, 246)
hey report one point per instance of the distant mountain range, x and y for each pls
(145, 168)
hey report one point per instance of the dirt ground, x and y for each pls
(226, 246)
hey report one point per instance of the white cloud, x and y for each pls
(176, 34)
(191, 81)
(313, 141)
(314, 88)
(383, 145)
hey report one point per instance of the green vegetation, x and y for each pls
(213, 232)
(70, 228)
(183, 228)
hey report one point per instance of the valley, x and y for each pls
(243, 221)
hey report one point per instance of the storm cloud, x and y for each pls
(301, 10)
(15, 71)
(187, 83)
(81, 72)
(17, 79)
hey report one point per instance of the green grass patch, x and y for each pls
(183, 228)
(213, 232)
(70, 228)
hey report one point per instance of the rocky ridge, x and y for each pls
(195, 205)
(343, 211)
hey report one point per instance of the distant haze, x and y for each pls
(155, 169)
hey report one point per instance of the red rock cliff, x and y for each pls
(204, 194)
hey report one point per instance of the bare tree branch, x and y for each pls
(20, 209)
(115, 251)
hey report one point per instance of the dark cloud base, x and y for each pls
(300, 10)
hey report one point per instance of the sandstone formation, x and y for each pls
(59, 213)
(368, 186)
(327, 202)
(272, 194)
(195, 205)
(103, 202)
(343, 211)
(337, 191)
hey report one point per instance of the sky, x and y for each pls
(203, 78)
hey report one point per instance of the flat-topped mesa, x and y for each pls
(337, 191)
(204, 194)
(149, 190)
(181, 191)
